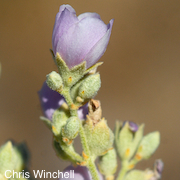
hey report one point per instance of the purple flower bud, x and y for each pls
(132, 126)
(80, 173)
(82, 38)
(158, 166)
(51, 100)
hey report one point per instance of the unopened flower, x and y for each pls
(82, 38)
(51, 100)
(128, 136)
(80, 173)
(132, 126)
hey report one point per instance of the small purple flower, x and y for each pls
(80, 173)
(82, 38)
(51, 100)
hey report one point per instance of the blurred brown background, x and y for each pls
(140, 74)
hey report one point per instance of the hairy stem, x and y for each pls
(72, 153)
(123, 171)
(90, 163)
(92, 168)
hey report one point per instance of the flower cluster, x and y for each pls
(69, 107)
(78, 43)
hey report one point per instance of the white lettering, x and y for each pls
(27, 175)
(15, 173)
(53, 174)
(71, 173)
(47, 174)
(38, 173)
(67, 175)
(60, 173)
(6, 172)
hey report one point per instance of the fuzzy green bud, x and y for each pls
(99, 136)
(54, 81)
(147, 174)
(108, 164)
(90, 86)
(135, 175)
(59, 120)
(70, 130)
(148, 145)
(12, 157)
(75, 89)
(128, 137)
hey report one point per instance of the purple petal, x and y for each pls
(80, 173)
(83, 111)
(133, 126)
(52, 100)
(64, 20)
(76, 43)
(67, 6)
(99, 48)
(88, 14)
(159, 165)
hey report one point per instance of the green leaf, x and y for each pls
(148, 145)
(135, 175)
(46, 121)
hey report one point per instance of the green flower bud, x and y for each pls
(147, 174)
(108, 164)
(99, 136)
(90, 87)
(70, 131)
(59, 120)
(148, 145)
(75, 89)
(128, 137)
(13, 157)
(54, 81)
(135, 175)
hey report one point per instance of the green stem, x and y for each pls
(90, 163)
(92, 168)
(84, 140)
(71, 153)
(123, 171)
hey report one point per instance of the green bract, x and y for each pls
(99, 136)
